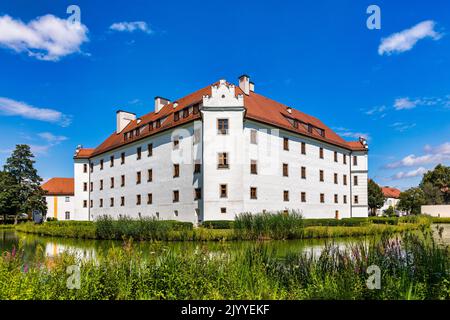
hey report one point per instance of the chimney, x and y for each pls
(160, 102)
(244, 83)
(123, 118)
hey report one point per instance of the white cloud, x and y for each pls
(404, 104)
(408, 103)
(409, 174)
(11, 107)
(344, 132)
(434, 155)
(405, 40)
(51, 138)
(45, 38)
(131, 26)
(401, 126)
(375, 110)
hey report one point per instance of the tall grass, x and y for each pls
(412, 267)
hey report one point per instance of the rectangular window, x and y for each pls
(85, 167)
(185, 112)
(223, 191)
(112, 182)
(253, 136)
(122, 180)
(253, 167)
(91, 187)
(101, 184)
(303, 172)
(149, 198)
(253, 194)
(321, 153)
(303, 148)
(101, 164)
(322, 198)
(91, 203)
(84, 186)
(122, 201)
(197, 193)
(176, 170)
(67, 199)
(223, 161)
(138, 177)
(285, 170)
(197, 167)
(138, 199)
(356, 200)
(355, 161)
(335, 178)
(303, 196)
(222, 126)
(321, 175)
(111, 161)
(111, 202)
(67, 215)
(101, 203)
(335, 198)
(285, 195)
(149, 175)
(355, 180)
(345, 198)
(149, 149)
(91, 165)
(286, 143)
(223, 210)
(335, 156)
(176, 116)
(139, 153)
(176, 196)
(345, 179)
(122, 158)
(345, 158)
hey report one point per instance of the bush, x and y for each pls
(218, 224)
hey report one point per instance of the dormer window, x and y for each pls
(185, 112)
(295, 124)
(158, 123)
(310, 128)
(150, 126)
(176, 116)
(195, 108)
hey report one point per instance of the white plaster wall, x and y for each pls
(437, 210)
(63, 206)
(80, 177)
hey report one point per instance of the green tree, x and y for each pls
(439, 178)
(20, 165)
(411, 200)
(9, 190)
(389, 212)
(375, 197)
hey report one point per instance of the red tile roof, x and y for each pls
(258, 108)
(84, 153)
(389, 192)
(59, 187)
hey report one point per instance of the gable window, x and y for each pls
(122, 180)
(321, 176)
(285, 195)
(101, 164)
(285, 170)
(355, 160)
(138, 199)
(335, 156)
(149, 175)
(223, 161)
(149, 198)
(355, 180)
(223, 191)
(139, 153)
(303, 147)
(122, 158)
(122, 201)
(303, 172)
(321, 153)
(253, 194)
(112, 182)
(138, 177)
(253, 136)
(253, 167)
(111, 161)
(222, 126)
(149, 149)
(303, 197)
(176, 196)
(286, 143)
(176, 170)
(197, 193)
(322, 198)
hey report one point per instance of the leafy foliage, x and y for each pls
(375, 196)
(411, 200)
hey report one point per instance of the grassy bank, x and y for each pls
(6, 226)
(440, 220)
(245, 227)
(412, 266)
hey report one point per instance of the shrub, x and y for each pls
(218, 224)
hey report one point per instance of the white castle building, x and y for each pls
(217, 152)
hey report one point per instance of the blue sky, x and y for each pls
(60, 88)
